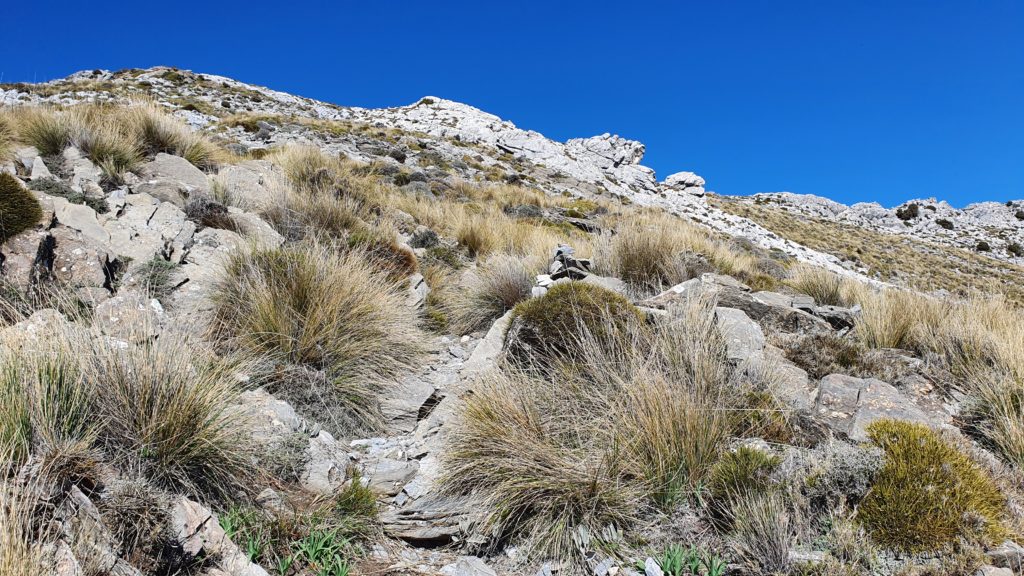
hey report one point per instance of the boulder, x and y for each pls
(468, 566)
(199, 532)
(171, 179)
(743, 337)
(254, 228)
(387, 476)
(251, 184)
(431, 520)
(849, 405)
(326, 467)
(129, 314)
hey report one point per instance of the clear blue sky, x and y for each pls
(856, 100)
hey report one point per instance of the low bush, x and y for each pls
(138, 515)
(57, 187)
(739, 474)
(928, 495)
(550, 328)
(908, 212)
(824, 354)
(19, 209)
(307, 306)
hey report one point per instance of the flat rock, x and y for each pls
(171, 179)
(849, 405)
(743, 337)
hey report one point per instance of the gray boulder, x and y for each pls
(171, 179)
(743, 337)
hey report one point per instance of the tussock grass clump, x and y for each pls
(154, 131)
(166, 412)
(19, 209)
(580, 448)
(762, 534)
(551, 327)
(492, 289)
(307, 306)
(824, 286)
(928, 495)
(6, 135)
(739, 474)
(46, 129)
(22, 551)
(116, 138)
(652, 251)
(894, 318)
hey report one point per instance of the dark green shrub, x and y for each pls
(983, 247)
(57, 187)
(19, 209)
(1015, 249)
(1019, 215)
(908, 212)
(550, 328)
(928, 495)
(944, 223)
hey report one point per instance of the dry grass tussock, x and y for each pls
(484, 294)
(650, 251)
(307, 306)
(164, 411)
(633, 424)
(475, 216)
(116, 138)
(826, 287)
(22, 552)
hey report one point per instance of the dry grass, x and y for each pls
(116, 138)
(633, 424)
(826, 287)
(487, 292)
(308, 306)
(653, 251)
(166, 412)
(897, 259)
(22, 552)
(762, 534)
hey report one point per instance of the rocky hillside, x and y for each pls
(994, 228)
(248, 333)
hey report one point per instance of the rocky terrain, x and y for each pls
(249, 333)
(996, 228)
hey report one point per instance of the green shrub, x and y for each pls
(928, 495)
(550, 328)
(19, 209)
(156, 276)
(944, 223)
(983, 246)
(1015, 249)
(57, 187)
(738, 474)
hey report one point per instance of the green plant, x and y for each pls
(56, 187)
(928, 494)
(50, 132)
(735, 476)
(550, 328)
(156, 276)
(323, 551)
(1015, 249)
(19, 209)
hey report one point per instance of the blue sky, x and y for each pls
(855, 100)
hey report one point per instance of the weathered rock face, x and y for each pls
(171, 179)
(850, 404)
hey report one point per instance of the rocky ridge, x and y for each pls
(445, 132)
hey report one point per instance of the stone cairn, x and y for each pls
(564, 264)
